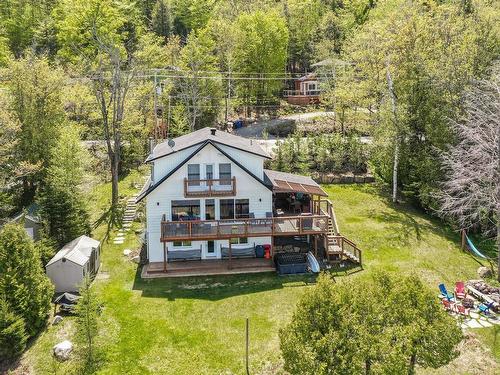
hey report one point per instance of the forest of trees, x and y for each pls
(397, 70)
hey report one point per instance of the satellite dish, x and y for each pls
(171, 143)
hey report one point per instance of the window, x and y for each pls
(182, 243)
(211, 247)
(209, 209)
(225, 173)
(237, 241)
(209, 171)
(226, 209)
(194, 174)
(183, 210)
(242, 209)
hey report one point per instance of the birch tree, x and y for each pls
(471, 192)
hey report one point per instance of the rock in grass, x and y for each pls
(57, 319)
(63, 350)
(136, 259)
(483, 272)
(127, 252)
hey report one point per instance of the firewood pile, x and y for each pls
(484, 288)
(486, 292)
(468, 303)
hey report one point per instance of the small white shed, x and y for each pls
(76, 259)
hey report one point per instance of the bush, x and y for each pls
(281, 128)
(384, 324)
(24, 285)
(12, 333)
(320, 153)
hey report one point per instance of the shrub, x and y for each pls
(385, 324)
(24, 285)
(12, 333)
(320, 153)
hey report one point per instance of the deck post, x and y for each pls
(272, 248)
(325, 242)
(165, 257)
(230, 266)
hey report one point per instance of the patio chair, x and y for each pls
(462, 310)
(485, 309)
(444, 293)
(460, 290)
(448, 306)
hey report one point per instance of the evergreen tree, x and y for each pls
(26, 288)
(61, 200)
(161, 19)
(12, 332)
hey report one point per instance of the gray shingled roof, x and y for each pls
(77, 251)
(205, 134)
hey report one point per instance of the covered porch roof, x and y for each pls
(283, 182)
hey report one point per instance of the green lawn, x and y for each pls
(196, 326)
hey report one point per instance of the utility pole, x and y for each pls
(247, 345)
(168, 116)
(155, 107)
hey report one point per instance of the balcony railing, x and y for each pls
(288, 93)
(234, 228)
(210, 187)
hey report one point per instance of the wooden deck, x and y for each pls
(207, 267)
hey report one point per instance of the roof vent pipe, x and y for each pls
(213, 130)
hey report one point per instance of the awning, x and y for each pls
(292, 183)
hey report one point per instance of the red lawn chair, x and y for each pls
(448, 306)
(460, 289)
(462, 310)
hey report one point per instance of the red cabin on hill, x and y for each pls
(306, 91)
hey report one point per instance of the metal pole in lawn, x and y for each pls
(247, 345)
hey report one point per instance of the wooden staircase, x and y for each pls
(338, 247)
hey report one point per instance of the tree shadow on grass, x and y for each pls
(215, 288)
(404, 225)
(112, 218)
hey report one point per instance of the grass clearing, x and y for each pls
(196, 325)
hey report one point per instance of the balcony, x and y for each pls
(209, 188)
(287, 93)
(248, 227)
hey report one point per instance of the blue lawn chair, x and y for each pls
(485, 309)
(444, 292)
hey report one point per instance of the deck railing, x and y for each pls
(349, 249)
(287, 93)
(210, 187)
(234, 228)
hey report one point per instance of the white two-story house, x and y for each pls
(211, 203)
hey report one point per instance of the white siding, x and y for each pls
(166, 164)
(254, 163)
(158, 202)
(66, 276)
